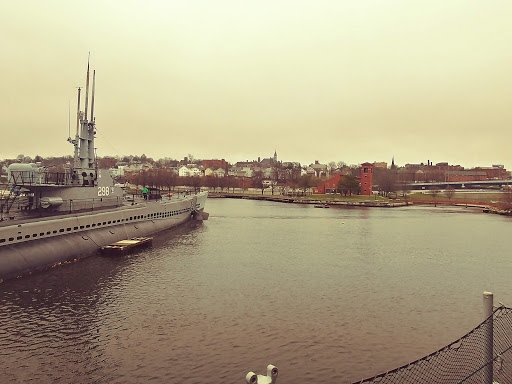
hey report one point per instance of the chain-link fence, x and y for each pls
(465, 360)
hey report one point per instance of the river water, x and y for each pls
(326, 295)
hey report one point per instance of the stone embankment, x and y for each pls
(498, 211)
(486, 208)
(491, 207)
(299, 200)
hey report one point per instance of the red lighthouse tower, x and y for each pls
(366, 179)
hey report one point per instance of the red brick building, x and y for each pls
(456, 176)
(366, 179)
(496, 172)
(330, 186)
(215, 163)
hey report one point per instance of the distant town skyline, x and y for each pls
(262, 157)
(353, 81)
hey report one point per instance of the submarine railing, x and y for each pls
(36, 178)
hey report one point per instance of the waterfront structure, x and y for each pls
(331, 185)
(367, 179)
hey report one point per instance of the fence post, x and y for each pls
(487, 377)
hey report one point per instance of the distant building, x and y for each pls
(195, 172)
(366, 179)
(496, 172)
(242, 164)
(320, 170)
(184, 172)
(268, 161)
(470, 175)
(117, 172)
(309, 171)
(214, 164)
(419, 176)
(240, 171)
(219, 172)
(443, 172)
(330, 186)
(380, 164)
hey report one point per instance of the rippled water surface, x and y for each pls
(326, 295)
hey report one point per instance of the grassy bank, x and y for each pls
(470, 198)
(474, 198)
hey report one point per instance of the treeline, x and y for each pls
(104, 162)
(385, 180)
(166, 179)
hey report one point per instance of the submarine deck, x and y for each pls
(16, 217)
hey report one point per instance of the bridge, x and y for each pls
(485, 184)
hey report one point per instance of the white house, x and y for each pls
(195, 172)
(117, 172)
(184, 172)
(208, 172)
(219, 172)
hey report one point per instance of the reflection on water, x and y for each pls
(326, 295)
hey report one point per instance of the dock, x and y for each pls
(125, 246)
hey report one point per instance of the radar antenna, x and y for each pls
(69, 120)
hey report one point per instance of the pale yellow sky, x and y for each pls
(353, 80)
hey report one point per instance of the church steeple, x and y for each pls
(275, 156)
(393, 162)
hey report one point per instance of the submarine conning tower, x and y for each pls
(84, 170)
(82, 186)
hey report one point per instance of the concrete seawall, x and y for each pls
(295, 200)
(487, 208)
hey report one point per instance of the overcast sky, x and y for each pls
(327, 80)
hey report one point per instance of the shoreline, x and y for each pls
(295, 200)
(486, 208)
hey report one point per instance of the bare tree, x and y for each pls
(340, 165)
(305, 182)
(274, 176)
(257, 181)
(434, 191)
(244, 183)
(293, 185)
(331, 167)
(449, 192)
(231, 181)
(196, 183)
(506, 200)
(385, 179)
(348, 184)
(406, 188)
(210, 182)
